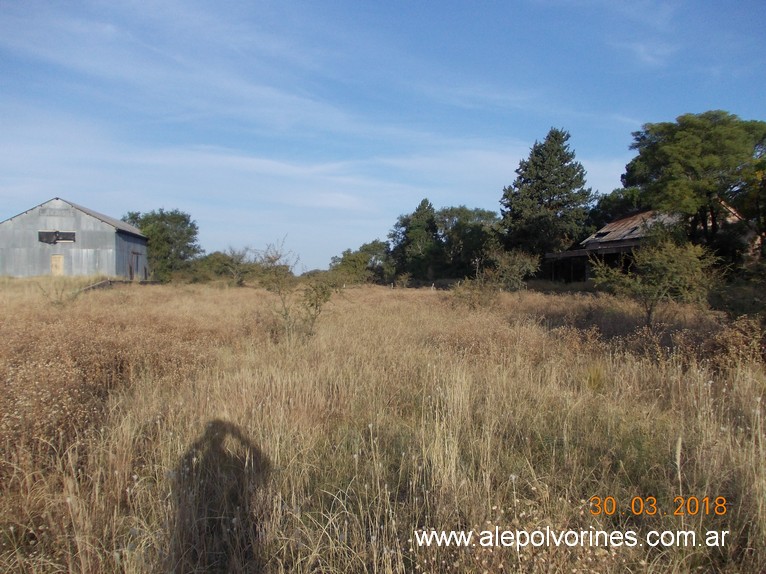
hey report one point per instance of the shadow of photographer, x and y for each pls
(220, 503)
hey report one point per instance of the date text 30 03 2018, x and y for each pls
(648, 506)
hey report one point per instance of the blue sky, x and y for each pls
(322, 122)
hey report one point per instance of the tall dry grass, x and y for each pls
(165, 428)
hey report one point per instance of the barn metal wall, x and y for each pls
(131, 257)
(95, 250)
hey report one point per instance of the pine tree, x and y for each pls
(416, 246)
(546, 207)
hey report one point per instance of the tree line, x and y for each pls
(707, 169)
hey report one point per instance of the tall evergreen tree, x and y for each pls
(545, 208)
(416, 246)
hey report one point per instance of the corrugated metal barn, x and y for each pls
(62, 238)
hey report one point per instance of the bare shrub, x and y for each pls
(474, 294)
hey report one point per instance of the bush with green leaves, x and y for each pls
(371, 263)
(499, 270)
(662, 271)
(300, 302)
(509, 269)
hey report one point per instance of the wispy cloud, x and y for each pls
(295, 197)
(656, 14)
(474, 94)
(645, 29)
(325, 123)
(659, 15)
(654, 53)
(167, 74)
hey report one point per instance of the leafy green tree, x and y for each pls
(370, 263)
(545, 208)
(509, 269)
(417, 248)
(612, 206)
(380, 262)
(751, 201)
(351, 267)
(465, 234)
(663, 271)
(172, 239)
(235, 264)
(210, 266)
(695, 166)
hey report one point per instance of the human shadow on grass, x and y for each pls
(220, 504)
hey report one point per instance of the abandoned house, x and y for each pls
(610, 242)
(62, 238)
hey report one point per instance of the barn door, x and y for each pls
(135, 262)
(57, 265)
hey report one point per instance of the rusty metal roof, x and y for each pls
(632, 227)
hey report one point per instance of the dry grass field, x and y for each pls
(173, 429)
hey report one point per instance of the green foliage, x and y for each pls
(612, 206)
(370, 263)
(509, 269)
(751, 199)
(695, 164)
(172, 239)
(402, 280)
(545, 208)
(236, 265)
(465, 234)
(275, 269)
(299, 303)
(744, 294)
(663, 271)
(429, 244)
(352, 267)
(211, 265)
(500, 270)
(416, 246)
(315, 294)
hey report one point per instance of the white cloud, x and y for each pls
(238, 197)
(262, 120)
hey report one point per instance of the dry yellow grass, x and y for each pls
(165, 428)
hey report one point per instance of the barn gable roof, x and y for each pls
(119, 226)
